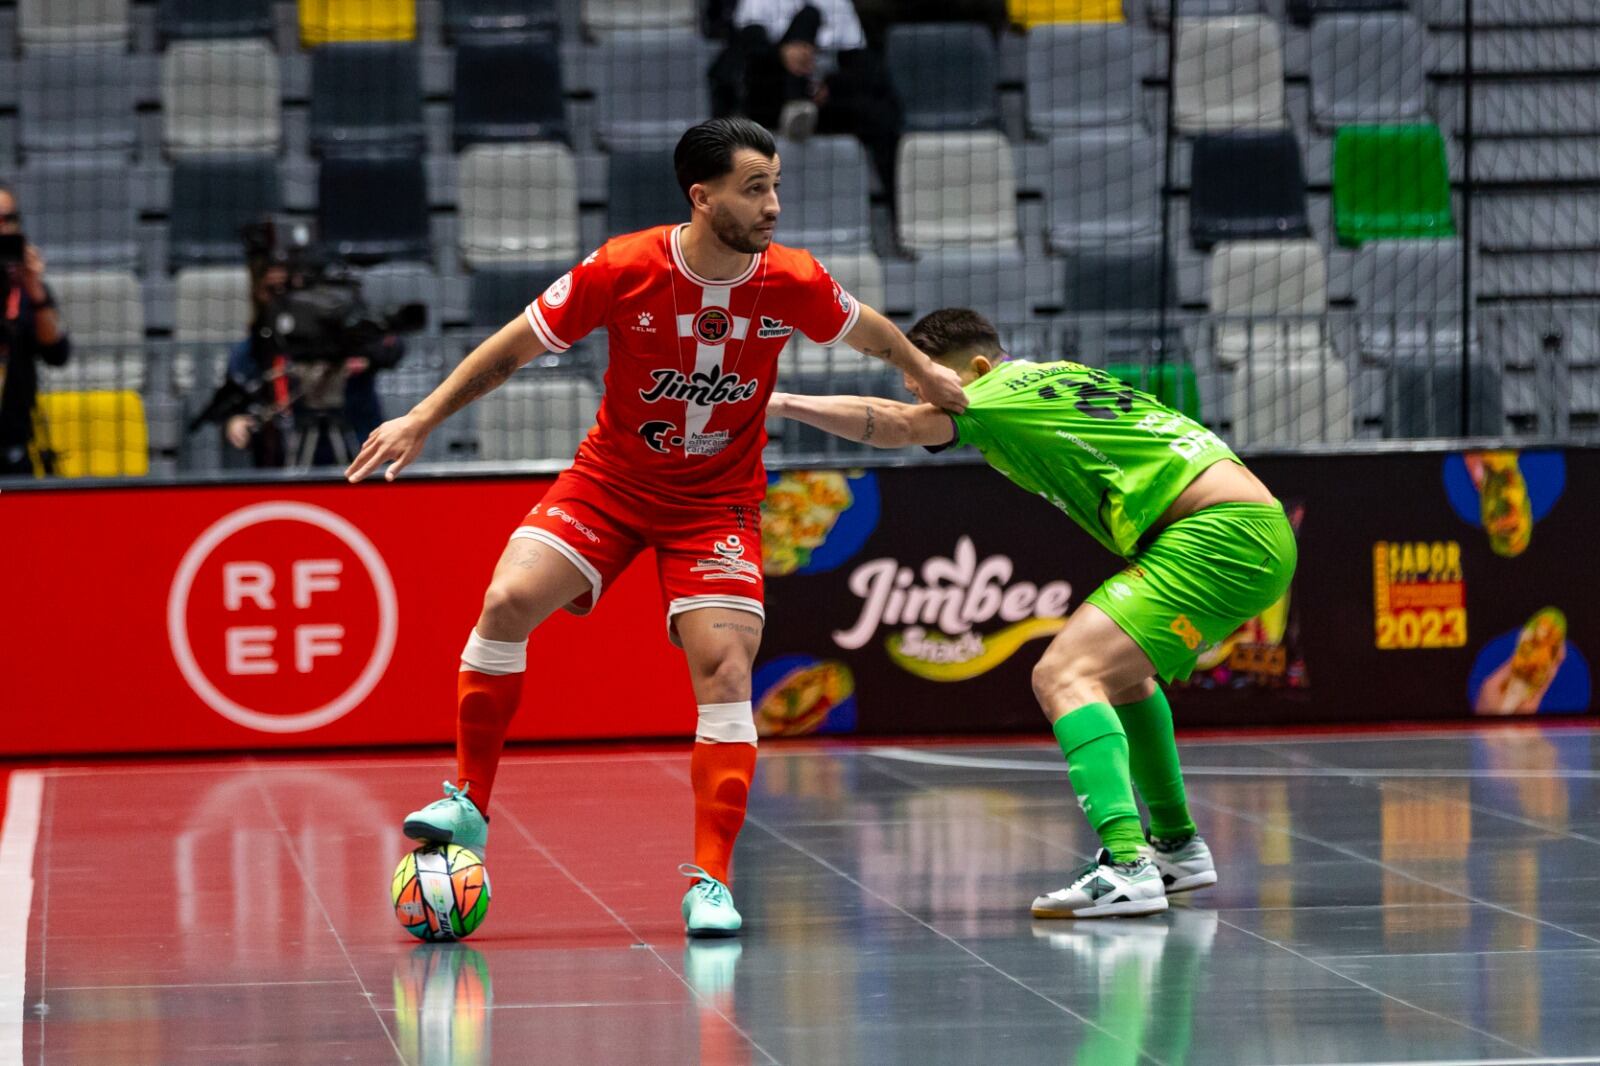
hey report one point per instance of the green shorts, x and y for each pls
(1199, 580)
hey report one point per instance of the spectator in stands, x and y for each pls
(32, 332)
(773, 71)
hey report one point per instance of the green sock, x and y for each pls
(1096, 748)
(1153, 758)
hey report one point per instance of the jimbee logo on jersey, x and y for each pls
(713, 325)
(703, 387)
(727, 563)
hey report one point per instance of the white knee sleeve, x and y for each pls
(494, 656)
(726, 723)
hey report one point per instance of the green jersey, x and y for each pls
(1111, 457)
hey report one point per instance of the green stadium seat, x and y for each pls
(1390, 182)
(1172, 383)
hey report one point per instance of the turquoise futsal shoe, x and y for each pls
(452, 820)
(708, 908)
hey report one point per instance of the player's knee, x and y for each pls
(507, 606)
(725, 677)
(1060, 685)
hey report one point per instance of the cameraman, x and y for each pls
(32, 331)
(278, 387)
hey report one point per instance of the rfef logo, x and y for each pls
(282, 617)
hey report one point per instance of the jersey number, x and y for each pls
(1101, 386)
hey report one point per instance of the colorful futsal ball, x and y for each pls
(441, 892)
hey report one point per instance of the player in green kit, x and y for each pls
(1208, 548)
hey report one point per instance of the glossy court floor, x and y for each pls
(1385, 897)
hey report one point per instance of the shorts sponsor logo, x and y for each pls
(1119, 591)
(773, 327)
(559, 290)
(727, 563)
(713, 325)
(1187, 632)
(704, 388)
(557, 512)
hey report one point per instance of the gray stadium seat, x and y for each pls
(518, 202)
(643, 191)
(1228, 74)
(80, 213)
(490, 18)
(654, 87)
(104, 313)
(860, 273)
(1246, 185)
(538, 414)
(74, 23)
(1554, 222)
(211, 199)
(388, 287)
(1121, 277)
(1305, 10)
(1409, 297)
(1298, 400)
(993, 279)
(1537, 159)
(214, 19)
(622, 16)
(1271, 296)
(944, 74)
(366, 94)
(1160, 11)
(1506, 12)
(496, 100)
(220, 96)
(1522, 109)
(1083, 75)
(956, 189)
(1368, 68)
(501, 293)
(1105, 185)
(76, 101)
(374, 207)
(1424, 399)
(824, 196)
(212, 310)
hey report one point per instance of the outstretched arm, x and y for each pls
(876, 336)
(867, 419)
(399, 441)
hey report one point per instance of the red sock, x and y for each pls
(487, 704)
(721, 776)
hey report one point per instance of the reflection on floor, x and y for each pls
(1417, 897)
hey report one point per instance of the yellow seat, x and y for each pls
(1031, 13)
(95, 434)
(322, 21)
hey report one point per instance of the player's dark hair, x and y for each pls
(705, 152)
(955, 329)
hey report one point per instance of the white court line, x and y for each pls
(1573, 1061)
(981, 762)
(24, 800)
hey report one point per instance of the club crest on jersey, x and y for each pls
(713, 325)
(843, 298)
(703, 387)
(773, 327)
(727, 562)
(559, 290)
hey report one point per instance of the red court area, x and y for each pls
(1395, 896)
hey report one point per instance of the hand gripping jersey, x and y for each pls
(693, 360)
(1111, 457)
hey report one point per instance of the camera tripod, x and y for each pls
(321, 419)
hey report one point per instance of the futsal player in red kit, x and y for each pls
(696, 315)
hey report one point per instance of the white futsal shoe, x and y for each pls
(708, 908)
(1184, 865)
(1106, 889)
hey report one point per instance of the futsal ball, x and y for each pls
(440, 892)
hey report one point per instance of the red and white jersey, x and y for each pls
(693, 360)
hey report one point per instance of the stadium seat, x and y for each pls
(1246, 185)
(1228, 74)
(1506, 12)
(538, 414)
(1390, 182)
(389, 286)
(374, 207)
(100, 433)
(1174, 384)
(624, 16)
(518, 202)
(1565, 107)
(1125, 276)
(1159, 12)
(656, 86)
(213, 19)
(994, 279)
(1424, 399)
(1303, 11)
(1031, 14)
(944, 74)
(1105, 185)
(211, 199)
(1301, 400)
(1270, 296)
(469, 19)
(80, 212)
(642, 191)
(1083, 76)
(211, 311)
(104, 310)
(860, 273)
(1409, 297)
(956, 189)
(327, 21)
(220, 96)
(1548, 222)
(496, 100)
(1368, 68)
(366, 94)
(501, 293)
(825, 199)
(76, 101)
(73, 23)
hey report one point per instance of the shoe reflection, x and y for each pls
(710, 967)
(1146, 970)
(442, 1000)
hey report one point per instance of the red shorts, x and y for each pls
(706, 556)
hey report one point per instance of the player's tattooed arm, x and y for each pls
(868, 419)
(872, 426)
